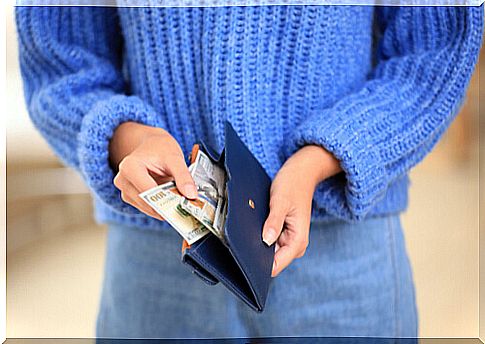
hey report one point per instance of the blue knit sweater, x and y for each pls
(377, 87)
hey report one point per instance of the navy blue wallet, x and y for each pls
(243, 263)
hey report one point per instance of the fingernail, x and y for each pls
(269, 236)
(190, 190)
(274, 268)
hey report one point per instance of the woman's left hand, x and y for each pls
(288, 223)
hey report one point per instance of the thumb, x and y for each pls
(180, 172)
(274, 223)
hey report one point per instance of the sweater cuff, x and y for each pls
(97, 129)
(352, 194)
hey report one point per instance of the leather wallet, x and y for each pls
(244, 262)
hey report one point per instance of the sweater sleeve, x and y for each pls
(70, 59)
(425, 59)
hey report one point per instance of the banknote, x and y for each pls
(204, 212)
(165, 200)
(221, 213)
(209, 178)
(194, 219)
(211, 183)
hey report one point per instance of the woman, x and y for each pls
(337, 103)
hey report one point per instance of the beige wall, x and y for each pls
(56, 252)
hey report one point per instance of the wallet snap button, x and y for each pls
(251, 203)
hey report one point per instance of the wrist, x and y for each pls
(127, 137)
(318, 163)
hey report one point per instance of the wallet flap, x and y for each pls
(248, 193)
(197, 269)
(215, 259)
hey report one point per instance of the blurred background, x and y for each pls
(55, 251)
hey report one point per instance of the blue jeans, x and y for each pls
(354, 280)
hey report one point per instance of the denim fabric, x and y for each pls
(354, 280)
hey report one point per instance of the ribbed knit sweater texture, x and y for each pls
(376, 86)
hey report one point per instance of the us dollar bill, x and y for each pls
(219, 217)
(204, 212)
(210, 180)
(166, 201)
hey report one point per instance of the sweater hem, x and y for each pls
(394, 203)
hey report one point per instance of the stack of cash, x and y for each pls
(194, 219)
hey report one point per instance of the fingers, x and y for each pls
(129, 194)
(135, 171)
(157, 159)
(160, 179)
(274, 223)
(180, 172)
(282, 258)
(287, 253)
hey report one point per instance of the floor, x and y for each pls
(53, 285)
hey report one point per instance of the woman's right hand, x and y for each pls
(145, 157)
